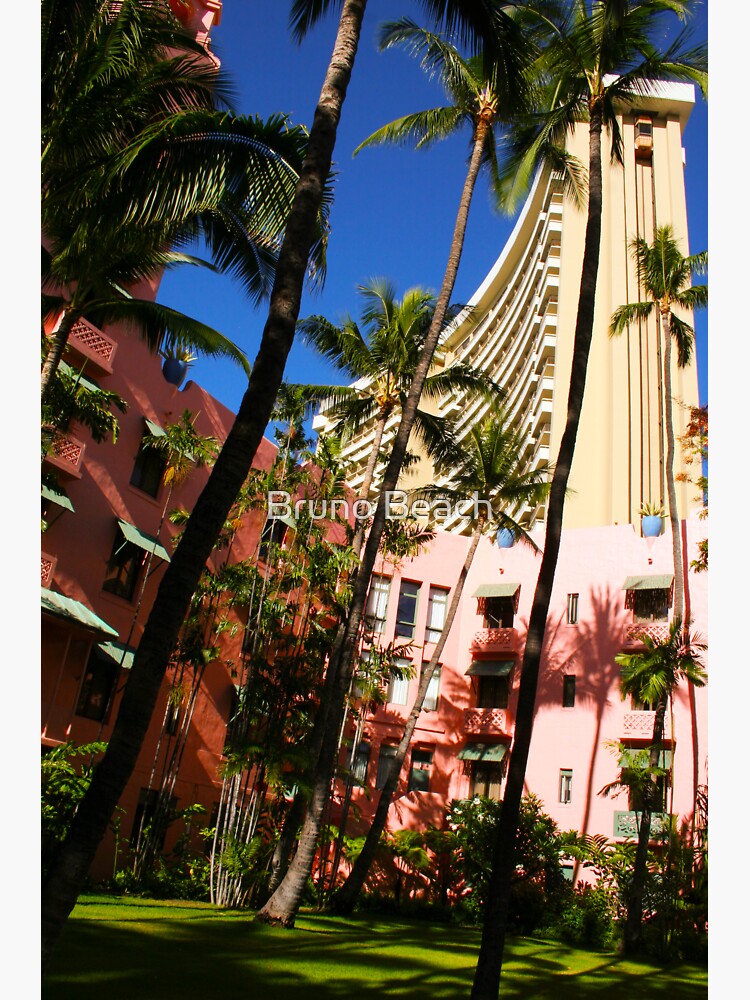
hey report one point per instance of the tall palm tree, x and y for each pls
(380, 356)
(140, 156)
(475, 19)
(665, 274)
(653, 676)
(492, 472)
(599, 56)
(505, 57)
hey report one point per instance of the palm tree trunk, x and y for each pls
(674, 518)
(634, 915)
(344, 900)
(56, 351)
(489, 965)
(283, 905)
(369, 476)
(67, 874)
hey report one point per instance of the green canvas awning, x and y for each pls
(146, 542)
(656, 582)
(121, 654)
(493, 752)
(73, 611)
(87, 383)
(497, 590)
(56, 494)
(490, 668)
(154, 429)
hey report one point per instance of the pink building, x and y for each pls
(610, 584)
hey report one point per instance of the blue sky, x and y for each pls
(394, 209)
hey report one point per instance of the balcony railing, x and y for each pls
(66, 453)
(633, 637)
(486, 721)
(48, 569)
(626, 824)
(495, 640)
(640, 726)
(93, 345)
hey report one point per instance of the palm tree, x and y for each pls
(501, 68)
(139, 157)
(598, 56)
(475, 19)
(491, 471)
(664, 274)
(652, 676)
(380, 356)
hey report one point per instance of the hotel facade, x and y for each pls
(108, 538)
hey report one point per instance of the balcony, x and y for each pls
(66, 454)
(92, 346)
(632, 638)
(495, 640)
(626, 825)
(640, 726)
(487, 722)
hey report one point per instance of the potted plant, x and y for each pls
(652, 519)
(505, 538)
(177, 360)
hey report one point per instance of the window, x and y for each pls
(377, 603)
(566, 786)
(486, 778)
(148, 469)
(272, 534)
(236, 722)
(572, 612)
(96, 687)
(651, 605)
(361, 762)
(419, 774)
(144, 816)
(644, 128)
(398, 685)
(635, 794)
(436, 610)
(569, 691)
(406, 616)
(387, 753)
(499, 612)
(432, 697)
(493, 692)
(172, 720)
(123, 567)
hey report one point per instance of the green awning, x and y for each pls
(155, 429)
(497, 590)
(656, 582)
(490, 668)
(121, 654)
(87, 383)
(56, 494)
(70, 610)
(628, 754)
(146, 542)
(483, 751)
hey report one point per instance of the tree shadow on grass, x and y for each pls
(163, 959)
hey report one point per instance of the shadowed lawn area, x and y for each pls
(120, 949)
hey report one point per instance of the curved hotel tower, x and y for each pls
(520, 325)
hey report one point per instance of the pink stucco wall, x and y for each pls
(594, 564)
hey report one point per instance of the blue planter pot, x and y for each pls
(174, 370)
(505, 538)
(651, 525)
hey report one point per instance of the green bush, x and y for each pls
(586, 918)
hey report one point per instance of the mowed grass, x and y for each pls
(137, 949)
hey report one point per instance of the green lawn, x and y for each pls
(137, 949)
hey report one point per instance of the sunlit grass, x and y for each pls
(137, 949)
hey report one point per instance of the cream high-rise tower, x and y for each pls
(522, 321)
